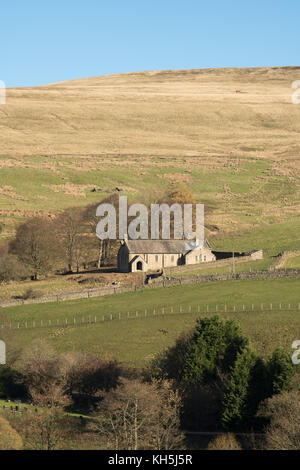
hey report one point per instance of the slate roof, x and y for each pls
(158, 246)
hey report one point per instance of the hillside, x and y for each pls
(232, 135)
(188, 112)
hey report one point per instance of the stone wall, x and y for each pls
(159, 282)
(209, 264)
(284, 256)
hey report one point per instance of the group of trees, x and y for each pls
(222, 380)
(209, 380)
(41, 245)
(67, 242)
(126, 412)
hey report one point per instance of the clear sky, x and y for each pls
(44, 41)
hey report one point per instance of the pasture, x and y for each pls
(135, 340)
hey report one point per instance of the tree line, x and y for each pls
(65, 243)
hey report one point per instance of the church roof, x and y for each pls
(159, 246)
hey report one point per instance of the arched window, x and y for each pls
(139, 266)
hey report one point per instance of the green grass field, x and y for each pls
(293, 263)
(135, 341)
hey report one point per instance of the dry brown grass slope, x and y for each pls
(186, 112)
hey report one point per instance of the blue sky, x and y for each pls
(47, 41)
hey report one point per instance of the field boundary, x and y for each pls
(238, 259)
(161, 311)
(284, 256)
(160, 282)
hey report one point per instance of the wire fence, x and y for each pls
(161, 311)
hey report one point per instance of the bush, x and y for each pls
(9, 438)
(88, 375)
(224, 442)
(31, 294)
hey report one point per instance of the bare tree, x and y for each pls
(34, 245)
(43, 429)
(91, 220)
(283, 413)
(69, 227)
(45, 375)
(140, 416)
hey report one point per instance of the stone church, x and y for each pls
(152, 255)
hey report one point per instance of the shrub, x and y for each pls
(31, 294)
(224, 442)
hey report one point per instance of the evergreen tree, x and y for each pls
(237, 394)
(281, 371)
(215, 344)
